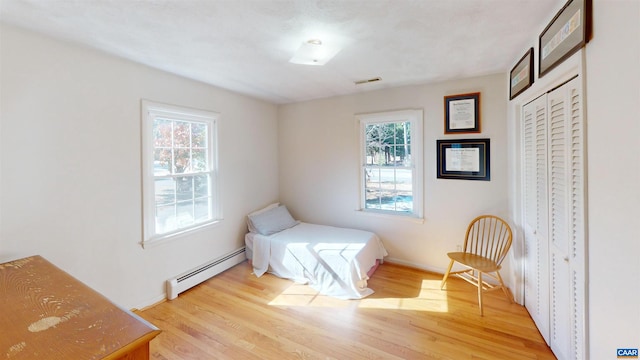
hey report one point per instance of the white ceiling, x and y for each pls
(245, 45)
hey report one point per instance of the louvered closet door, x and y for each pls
(566, 220)
(554, 221)
(558, 229)
(536, 242)
(577, 222)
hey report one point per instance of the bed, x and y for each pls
(334, 261)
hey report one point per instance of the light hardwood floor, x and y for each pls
(238, 316)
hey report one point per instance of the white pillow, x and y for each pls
(266, 208)
(273, 221)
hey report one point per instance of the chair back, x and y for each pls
(488, 236)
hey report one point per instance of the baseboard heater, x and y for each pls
(204, 272)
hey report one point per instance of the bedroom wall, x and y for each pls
(70, 165)
(319, 167)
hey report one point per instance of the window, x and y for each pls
(179, 170)
(391, 162)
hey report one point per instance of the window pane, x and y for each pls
(372, 188)
(199, 135)
(161, 162)
(372, 199)
(162, 133)
(165, 191)
(199, 160)
(184, 188)
(165, 219)
(181, 134)
(202, 210)
(201, 186)
(372, 177)
(387, 133)
(407, 126)
(181, 161)
(184, 214)
(404, 187)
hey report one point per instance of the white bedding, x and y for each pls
(332, 260)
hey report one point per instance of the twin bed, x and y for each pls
(334, 261)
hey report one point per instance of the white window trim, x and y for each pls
(150, 110)
(415, 116)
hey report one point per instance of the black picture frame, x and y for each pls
(567, 33)
(521, 76)
(462, 113)
(464, 159)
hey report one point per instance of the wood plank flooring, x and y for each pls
(238, 316)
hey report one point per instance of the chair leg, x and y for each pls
(504, 288)
(446, 275)
(480, 292)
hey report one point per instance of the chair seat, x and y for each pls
(477, 262)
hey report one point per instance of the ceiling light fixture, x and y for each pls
(314, 52)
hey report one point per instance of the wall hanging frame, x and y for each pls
(521, 76)
(462, 113)
(464, 159)
(567, 33)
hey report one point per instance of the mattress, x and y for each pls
(334, 261)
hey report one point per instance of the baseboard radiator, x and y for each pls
(204, 272)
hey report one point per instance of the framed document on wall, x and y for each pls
(567, 33)
(462, 113)
(521, 76)
(464, 159)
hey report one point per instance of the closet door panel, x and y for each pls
(535, 213)
(558, 223)
(577, 232)
(566, 220)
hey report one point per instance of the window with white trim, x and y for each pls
(391, 175)
(180, 170)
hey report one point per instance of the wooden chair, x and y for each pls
(486, 244)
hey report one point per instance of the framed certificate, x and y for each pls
(567, 33)
(521, 76)
(462, 113)
(464, 159)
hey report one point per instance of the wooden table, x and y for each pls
(47, 314)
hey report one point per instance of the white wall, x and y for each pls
(613, 120)
(319, 167)
(70, 165)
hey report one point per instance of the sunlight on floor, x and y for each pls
(430, 298)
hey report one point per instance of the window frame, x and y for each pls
(415, 118)
(150, 111)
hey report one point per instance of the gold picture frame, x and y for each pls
(462, 113)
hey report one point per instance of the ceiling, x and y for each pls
(245, 45)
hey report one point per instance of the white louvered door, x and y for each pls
(535, 212)
(577, 221)
(558, 223)
(554, 203)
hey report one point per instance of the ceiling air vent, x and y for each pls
(360, 82)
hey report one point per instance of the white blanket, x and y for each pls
(333, 261)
